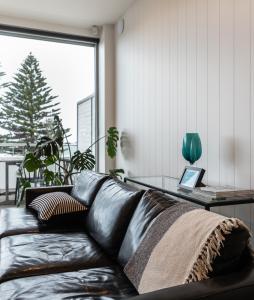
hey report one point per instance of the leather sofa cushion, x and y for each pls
(148, 209)
(17, 221)
(100, 284)
(14, 221)
(71, 222)
(36, 254)
(86, 186)
(110, 214)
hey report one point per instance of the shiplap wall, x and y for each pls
(188, 65)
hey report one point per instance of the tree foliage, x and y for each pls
(27, 107)
(2, 74)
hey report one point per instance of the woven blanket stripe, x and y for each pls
(173, 258)
(136, 265)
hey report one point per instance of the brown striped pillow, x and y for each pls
(56, 203)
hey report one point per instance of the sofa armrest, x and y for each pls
(32, 193)
(234, 286)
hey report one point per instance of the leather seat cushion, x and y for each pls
(110, 214)
(86, 186)
(14, 221)
(35, 254)
(100, 284)
(148, 209)
(17, 221)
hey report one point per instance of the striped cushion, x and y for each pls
(57, 203)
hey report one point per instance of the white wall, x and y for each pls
(188, 65)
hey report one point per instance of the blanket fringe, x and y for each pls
(211, 249)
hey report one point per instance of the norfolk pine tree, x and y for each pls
(1, 75)
(27, 105)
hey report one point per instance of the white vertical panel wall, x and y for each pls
(188, 65)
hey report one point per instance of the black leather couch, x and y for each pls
(82, 256)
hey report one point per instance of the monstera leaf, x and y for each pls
(50, 160)
(58, 137)
(31, 163)
(59, 131)
(24, 184)
(51, 177)
(111, 143)
(47, 147)
(116, 173)
(83, 160)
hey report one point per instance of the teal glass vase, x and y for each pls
(192, 148)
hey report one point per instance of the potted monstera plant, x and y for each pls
(53, 162)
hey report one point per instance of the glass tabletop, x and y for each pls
(170, 185)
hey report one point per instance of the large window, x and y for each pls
(63, 70)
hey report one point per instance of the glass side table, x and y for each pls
(169, 185)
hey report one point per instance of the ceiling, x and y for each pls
(74, 13)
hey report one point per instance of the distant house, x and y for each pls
(85, 122)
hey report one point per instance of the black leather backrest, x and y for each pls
(148, 209)
(86, 186)
(110, 214)
(234, 253)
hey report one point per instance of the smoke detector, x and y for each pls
(120, 26)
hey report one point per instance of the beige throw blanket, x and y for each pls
(179, 248)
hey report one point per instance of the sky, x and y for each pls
(69, 70)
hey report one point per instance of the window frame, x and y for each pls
(45, 35)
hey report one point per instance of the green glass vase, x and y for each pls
(192, 148)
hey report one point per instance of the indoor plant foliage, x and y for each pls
(56, 164)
